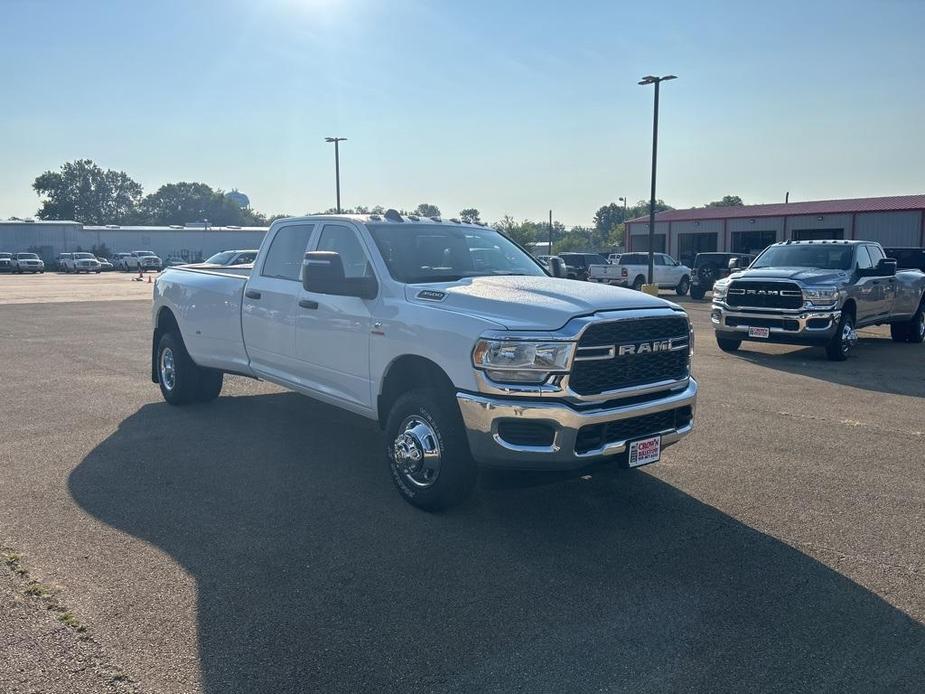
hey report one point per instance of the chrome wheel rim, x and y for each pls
(168, 369)
(921, 324)
(416, 452)
(849, 336)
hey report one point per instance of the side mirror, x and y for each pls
(737, 263)
(556, 267)
(886, 267)
(323, 273)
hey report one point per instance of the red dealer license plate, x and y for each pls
(645, 451)
(759, 332)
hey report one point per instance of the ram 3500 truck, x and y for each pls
(448, 334)
(818, 292)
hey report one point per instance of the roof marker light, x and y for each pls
(393, 215)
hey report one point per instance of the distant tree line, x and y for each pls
(84, 192)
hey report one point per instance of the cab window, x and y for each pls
(286, 252)
(343, 240)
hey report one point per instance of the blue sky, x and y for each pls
(511, 107)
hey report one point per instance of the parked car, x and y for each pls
(228, 258)
(105, 265)
(612, 258)
(6, 262)
(28, 262)
(632, 269)
(907, 258)
(577, 264)
(79, 262)
(60, 260)
(140, 260)
(818, 292)
(385, 316)
(118, 261)
(709, 267)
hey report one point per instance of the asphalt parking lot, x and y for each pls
(256, 544)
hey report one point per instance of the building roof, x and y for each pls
(892, 203)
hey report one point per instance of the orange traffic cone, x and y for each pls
(149, 279)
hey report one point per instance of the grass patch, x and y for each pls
(68, 619)
(38, 590)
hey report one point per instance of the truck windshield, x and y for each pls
(26, 256)
(818, 256)
(83, 255)
(418, 253)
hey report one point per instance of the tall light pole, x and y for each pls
(651, 79)
(336, 141)
(623, 200)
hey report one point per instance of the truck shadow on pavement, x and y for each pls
(876, 364)
(313, 575)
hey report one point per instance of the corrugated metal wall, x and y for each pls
(51, 239)
(890, 228)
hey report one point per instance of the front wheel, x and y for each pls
(683, 286)
(843, 340)
(427, 450)
(728, 344)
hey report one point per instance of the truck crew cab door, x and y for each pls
(269, 303)
(332, 332)
(887, 284)
(870, 290)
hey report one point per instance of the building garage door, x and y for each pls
(752, 242)
(817, 234)
(689, 245)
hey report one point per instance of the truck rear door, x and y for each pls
(269, 304)
(332, 333)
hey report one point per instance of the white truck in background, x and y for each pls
(632, 270)
(448, 334)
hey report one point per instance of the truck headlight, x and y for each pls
(820, 296)
(516, 361)
(719, 289)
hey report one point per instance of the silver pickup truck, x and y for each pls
(818, 292)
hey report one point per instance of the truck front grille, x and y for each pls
(604, 371)
(596, 436)
(752, 294)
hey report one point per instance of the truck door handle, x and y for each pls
(252, 294)
(308, 303)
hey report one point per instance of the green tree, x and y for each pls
(469, 213)
(84, 192)
(183, 203)
(607, 217)
(426, 209)
(727, 201)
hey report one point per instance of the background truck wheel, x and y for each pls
(638, 282)
(728, 344)
(683, 286)
(843, 340)
(428, 452)
(912, 330)
(698, 292)
(180, 379)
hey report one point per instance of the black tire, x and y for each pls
(439, 428)
(638, 282)
(698, 292)
(683, 286)
(188, 382)
(728, 344)
(912, 330)
(843, 340)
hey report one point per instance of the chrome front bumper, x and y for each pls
(482, 416)
(810, 324)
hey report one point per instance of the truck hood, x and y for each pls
(529, 303)
(804, 275)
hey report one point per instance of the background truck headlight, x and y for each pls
(515, 361)
(820, 296)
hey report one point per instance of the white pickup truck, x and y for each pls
(448, 334)
(631, 270)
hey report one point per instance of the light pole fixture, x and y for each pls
(652, 79)
(336, 141)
